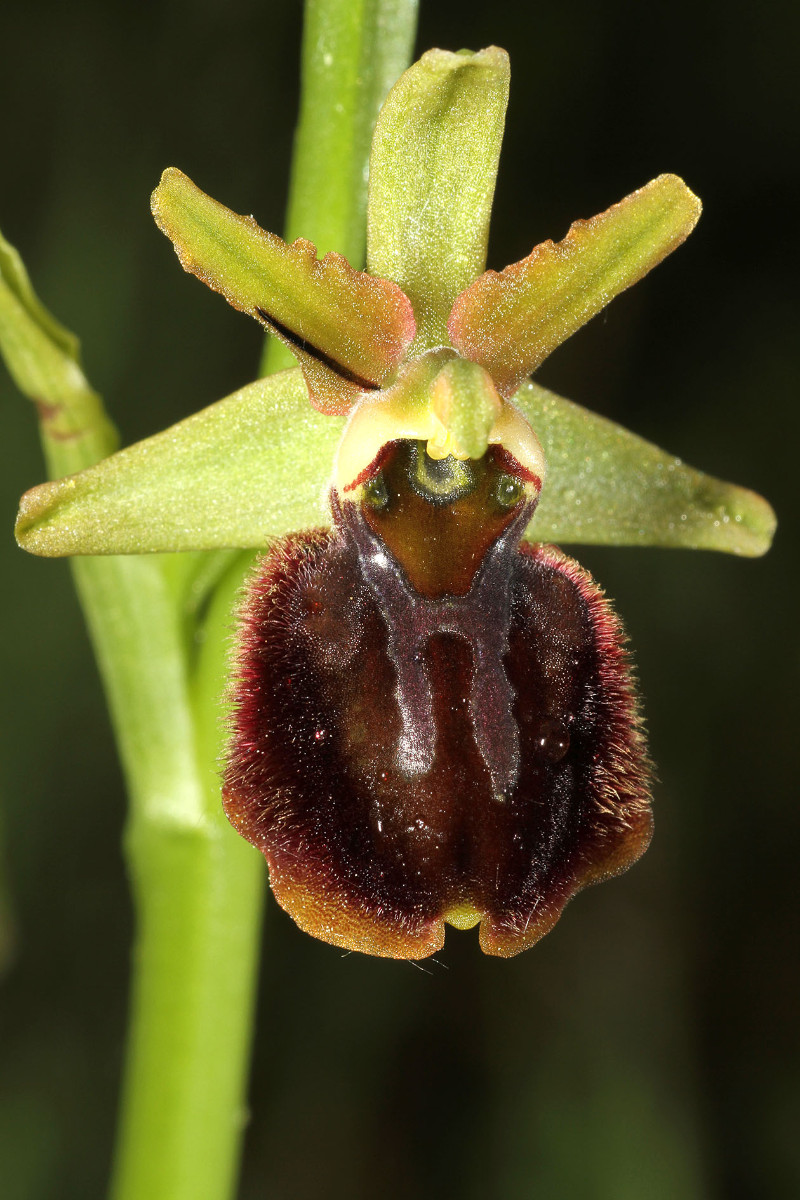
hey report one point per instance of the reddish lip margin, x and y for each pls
(512, 466)
(372, 468)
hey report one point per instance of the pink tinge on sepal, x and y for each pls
(509, 321)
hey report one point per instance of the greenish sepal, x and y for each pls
(257, 464)
(432, 175)
(606, 486)
(236, 474)
(510, 321)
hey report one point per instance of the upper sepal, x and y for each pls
(510, 321)
(432, 174)
(348, 330)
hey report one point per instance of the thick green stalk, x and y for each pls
(198, 890)
(353, 51)
(197, 886)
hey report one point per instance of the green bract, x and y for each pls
(257, 464)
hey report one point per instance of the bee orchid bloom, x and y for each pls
(433, 718)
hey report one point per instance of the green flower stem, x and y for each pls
(199, 888)
(353, 51)
(199, 891)
(199, 894)
(160, 626)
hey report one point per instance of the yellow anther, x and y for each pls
(441, 443)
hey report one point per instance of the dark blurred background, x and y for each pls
(649, 1046)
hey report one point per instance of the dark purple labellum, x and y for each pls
(433, 723)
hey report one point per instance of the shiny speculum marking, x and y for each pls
(480, 618)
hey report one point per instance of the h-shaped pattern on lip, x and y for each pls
(481, 618)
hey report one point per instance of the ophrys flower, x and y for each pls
(434, 720)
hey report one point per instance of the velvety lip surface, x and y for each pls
(370, 854)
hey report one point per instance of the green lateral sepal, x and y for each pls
(237, 474)
(258, 464)
(607, 486)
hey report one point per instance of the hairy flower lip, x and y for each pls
(355, 856)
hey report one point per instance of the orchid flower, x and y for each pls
(433, 717)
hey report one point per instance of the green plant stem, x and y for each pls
(199, 887)
(353, 51)
(160, 626)
(198, 892)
